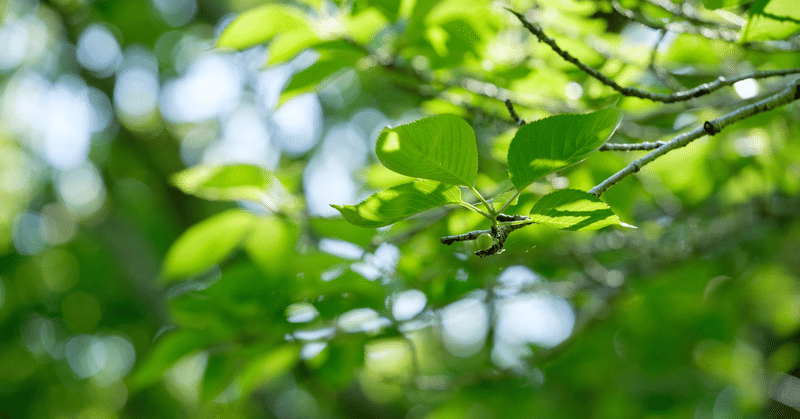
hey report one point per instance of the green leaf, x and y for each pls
(771, 20)
(394, 204)
(440, 148)
(288, 44)
(719, 4)
(265, 368)
(220, 372)
(554, 143)
(575, 210)
(333, 57)
(207, 243)
(224, 183)
(234, 183)
(270, 244)
(259, 25)
(167, 350)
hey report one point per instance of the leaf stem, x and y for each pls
(489, 207)
(510, 200)
(789, 94)
(476, 209)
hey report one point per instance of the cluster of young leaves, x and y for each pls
(441, 151)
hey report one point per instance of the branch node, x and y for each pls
(710, 128)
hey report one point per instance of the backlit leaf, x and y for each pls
(234, 183)
(575, 210)
(259, 25)
(207, 243)
(771, 20)
(440, 148)
(394, 204)
(554, 143)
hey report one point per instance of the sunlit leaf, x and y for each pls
(394, 204)
(207, 243)
(771, 20)
(234, 183)
(334, 56)
(554, 143)
(259, 25)
(718, 4)
(224, 183)
(575, 210)
(440, 148)
(270, 244)
(363, 26)
(288, 44)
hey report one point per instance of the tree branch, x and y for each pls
(790, 94)
(631, 146)
(684, 95)
(688, 12)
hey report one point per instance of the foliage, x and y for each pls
(168, 246)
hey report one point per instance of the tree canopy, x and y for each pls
(400, 208)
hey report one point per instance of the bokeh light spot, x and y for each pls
(98, 50)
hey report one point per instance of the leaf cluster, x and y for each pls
(442, 150)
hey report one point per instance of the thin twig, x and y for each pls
(688, 12)
(632, 146)
(790, 94)
(513, 113)
(472, 235)
(660, 73)
(676, 27)
(698, 91)
(727, 35)
(505, 218)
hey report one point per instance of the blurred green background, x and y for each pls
(694, 314)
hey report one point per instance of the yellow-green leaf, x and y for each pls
(394, 204)
(575, 210)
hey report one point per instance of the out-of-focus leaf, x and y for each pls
(270, 244)
(334, 56)
(265, 368)
(344, 356)
(233, 183)
(394, 204)
(416, 21)
(220, 372)
(167, 350)
(224, 183)
(719, 4)
(575, 210)
(288, 44)
(207, 243)
(388, 8)
(771, 20)
(440, 148)
(259, 25)
(363, 26)
(557, 142)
